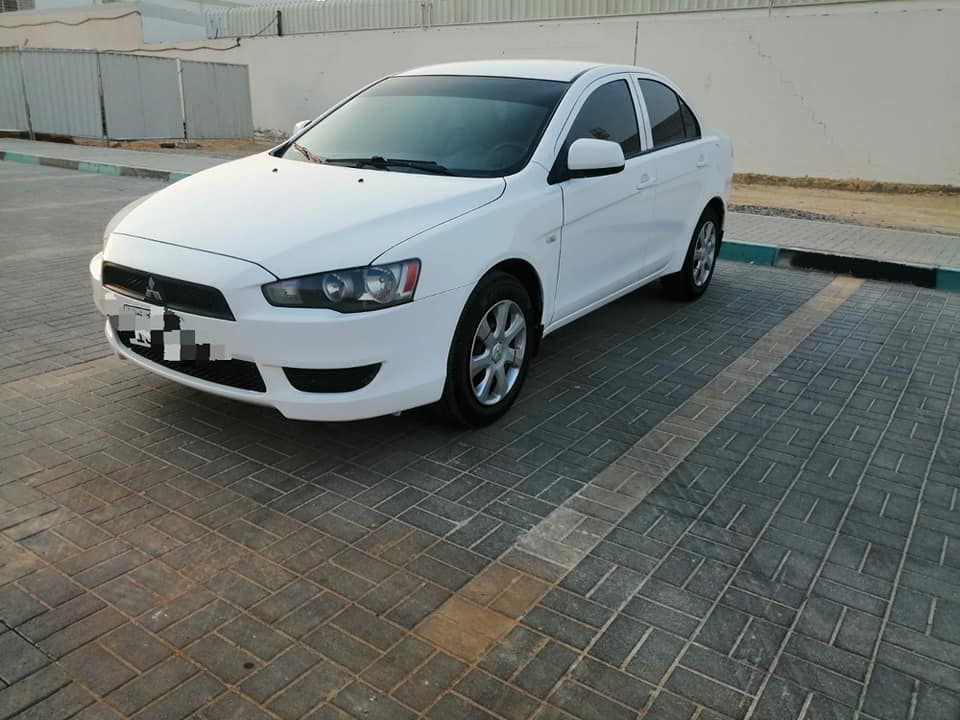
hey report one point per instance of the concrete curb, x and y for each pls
(941, 278)
(94, 167)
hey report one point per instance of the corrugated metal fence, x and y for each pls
(84, 93)
(141, 96)
(62, 92)
(216, 100)
(294, 18)
(12, 108)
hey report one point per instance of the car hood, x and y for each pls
(294, 218)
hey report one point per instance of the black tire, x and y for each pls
(683, 285)
(460, 402)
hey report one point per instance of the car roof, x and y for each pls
(563, 70)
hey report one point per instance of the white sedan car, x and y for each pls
(415, 242)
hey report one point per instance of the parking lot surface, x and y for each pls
(744, 507)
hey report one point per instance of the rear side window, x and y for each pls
(671, 121)
(609, 114)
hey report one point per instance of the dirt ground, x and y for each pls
(871, 204)
(923, 211)
(214, 148)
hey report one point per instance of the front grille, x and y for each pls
(234, 373)
(169, 292)
(331, 381)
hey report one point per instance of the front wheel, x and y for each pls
(491, 351)
(695, 275)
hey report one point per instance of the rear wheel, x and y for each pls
(491, 351)
(697, 271)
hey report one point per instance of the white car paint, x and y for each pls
(286, 216)
(246, 223)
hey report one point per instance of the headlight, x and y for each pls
(354, 290)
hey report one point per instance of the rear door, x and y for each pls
(682, 167)
(604, 218)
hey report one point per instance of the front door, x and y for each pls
(604, 218)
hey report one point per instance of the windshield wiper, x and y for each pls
(378, 161)
(307, 154)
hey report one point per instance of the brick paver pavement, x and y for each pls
(166, 554)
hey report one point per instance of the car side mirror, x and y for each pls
(300, 126)
(589, 157)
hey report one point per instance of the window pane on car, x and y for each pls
(609, 114)
(663, 107)
(691, 128)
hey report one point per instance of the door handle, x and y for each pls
(702, 162)
(646, 181)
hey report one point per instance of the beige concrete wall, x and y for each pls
(106, 27)
(868, 92)
(873, 96)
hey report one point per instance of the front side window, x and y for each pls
(456, 125)
(671, 121)
(608, 114)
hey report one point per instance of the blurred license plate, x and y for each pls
(141, 324)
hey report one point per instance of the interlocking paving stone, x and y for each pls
(429, 682)
(159, 680)
(97, 669)
(463, 628)
(309, 691)
(34, 688)
(664, 447)
(135, 646)
(758, 519)
(826, 674)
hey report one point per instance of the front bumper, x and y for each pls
(410, 342)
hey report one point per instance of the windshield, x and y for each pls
(456, 125)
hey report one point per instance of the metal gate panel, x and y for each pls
(216, 100)
(141, 96)
(63, 92)
(13, 114)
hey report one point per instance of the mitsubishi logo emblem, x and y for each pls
(152, 292)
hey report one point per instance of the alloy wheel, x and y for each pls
(497, 354)
(705, 253)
